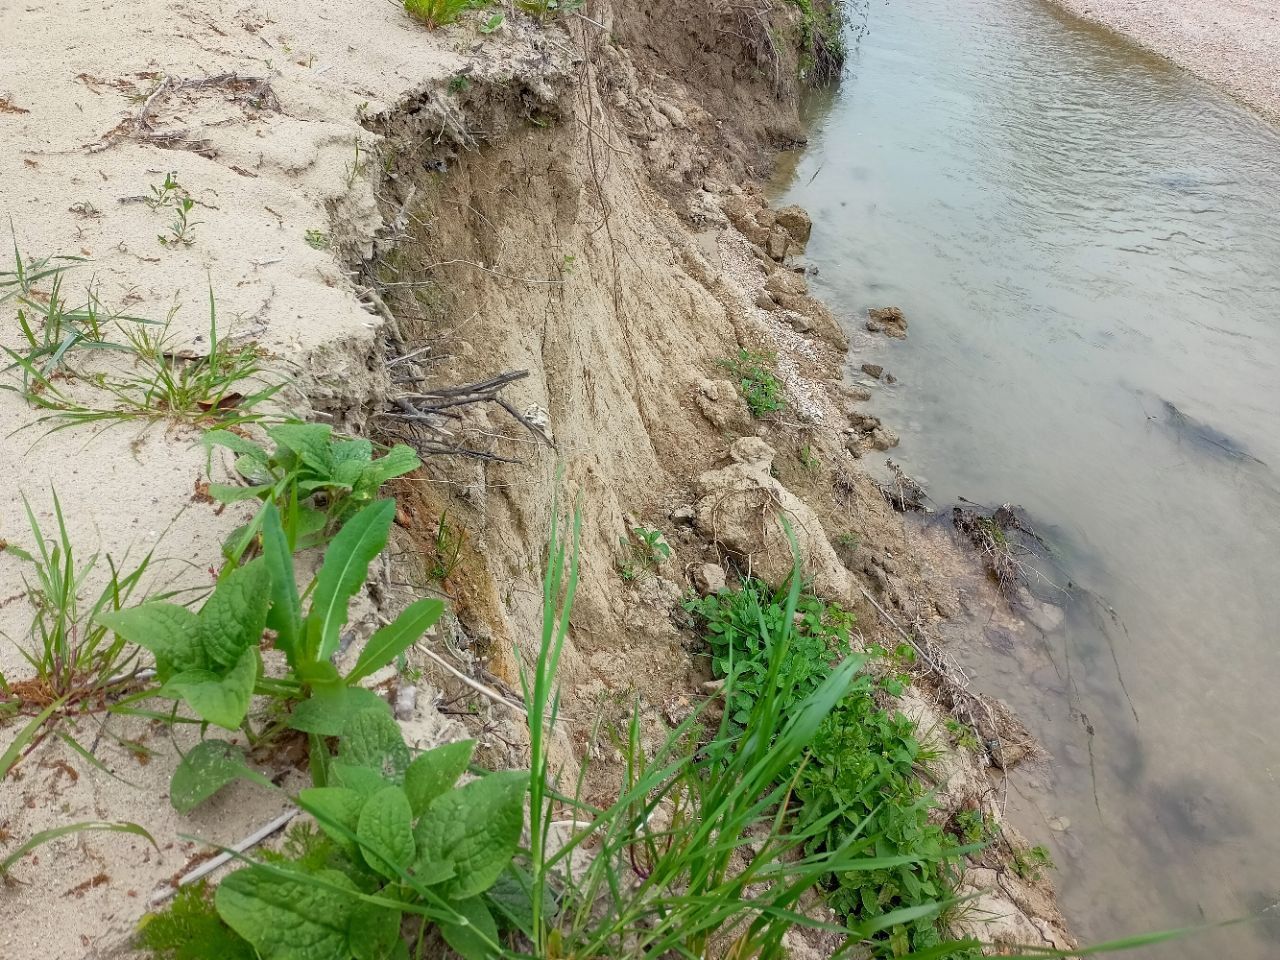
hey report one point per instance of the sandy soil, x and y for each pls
(1235, 43)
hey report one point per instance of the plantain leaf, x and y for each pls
(346, 565)
(396, 637)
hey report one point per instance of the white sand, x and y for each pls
(1234, 43)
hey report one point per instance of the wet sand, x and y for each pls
(1234, 43)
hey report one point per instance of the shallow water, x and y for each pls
(1086, 242)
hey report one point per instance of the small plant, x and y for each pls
(318, 239)
(492, 24)
(459, 82)
(848, 541)
(436, 13)
(961, 735)
(974, 826)
(808, 459)
(354, 170)
(447, 550)
(76, 665)
(859, 776)
(644, 551)
(1030, 862)
(211, 661)
(164, 382)
(759, 387)
(546, 9)
(316, 480)
(170, 195)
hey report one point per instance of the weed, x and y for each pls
(210, 660)
(436, 13)
(961, 735)
(316, 480)
(355, 169)
(759, 387)
(459, 82)
(492, 24)
(1030, 862)
(808, 459)
(164, 383)
(644, 551)
(547, 9)
(974, 826)
(45, 836)
(318, 239)
(848, 541)
(447, 547)
(859, 778)
(170, 195)
(75, 664)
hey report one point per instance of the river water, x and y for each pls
(1086, 241)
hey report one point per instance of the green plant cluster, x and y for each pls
(642, 552)
(860, 774)
(756, 381)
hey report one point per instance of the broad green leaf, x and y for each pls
(346, 564)
(365, 781)
(399, 460)
(208, 767)
(222, 700)
(310, 441)
(352, 451)
(232, 620)
(374, 932)
(385, 832)
(432, 773)
(348, 474)
(337, 810)
(235, 443)
(319, 675)
(393, 639)
(476, 828)
(170, 632)
(372, 739)
(512, 897)
(327, 711)
(285, 614)
(288, 919)
(226, 493)
(477, 938)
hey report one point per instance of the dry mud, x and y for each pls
(569, 202)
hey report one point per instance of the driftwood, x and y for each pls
(427, 413)
(141, 126)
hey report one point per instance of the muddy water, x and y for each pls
(1086, 242)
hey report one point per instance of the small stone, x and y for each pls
(799, 322)
(873, 370)
(709, 578)
(406, 701)
(882, 439)
(856, 394)
(889, 321)
(797, 222)
(779, 244)
(683, 515)
(890, 378)
(766, 302)
(766, 217)
(1059, 824)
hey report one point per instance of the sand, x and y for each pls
(1233, 43)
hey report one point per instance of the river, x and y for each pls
(1086, 242)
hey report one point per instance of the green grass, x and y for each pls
(859, 780)
(75, 664)
(223, 387)
(756, 381)
(437, 13)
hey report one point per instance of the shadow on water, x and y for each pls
(1085, 241)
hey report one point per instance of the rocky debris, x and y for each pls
(1008, 911)
(786, 283)
(889, 321)
(709, 578)
(722, 405)
(866, 430)
(739, 508)
(797, 222)
(873, 370)
(766, 302)
(682, 515)
(854, 394)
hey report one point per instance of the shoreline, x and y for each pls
(1233, 44)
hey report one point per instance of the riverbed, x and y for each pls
(1086, 242)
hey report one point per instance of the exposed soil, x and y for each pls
(572, 202)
